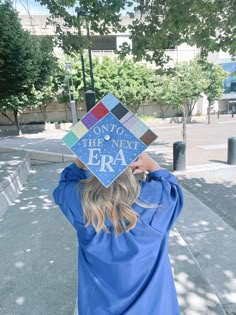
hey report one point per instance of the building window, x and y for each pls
(103, 42)
(233, 86)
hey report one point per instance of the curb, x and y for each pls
(204, 167)
(41, 157)
(12, 185)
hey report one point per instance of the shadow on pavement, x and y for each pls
(38, 251)
(219, 196)
(209, 230)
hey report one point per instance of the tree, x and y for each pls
(15, 48)
(47, 94)
(190, 83)
(24, 64)
(215, 88)
(181, 88)
(130, 82)
(163, 92)
(17, 63)
(50, 76)
(155, 26)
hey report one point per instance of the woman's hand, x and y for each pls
(144, 163)
(80, 164)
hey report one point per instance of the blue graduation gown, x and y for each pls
(128, 274)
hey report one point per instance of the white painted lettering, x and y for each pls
(120, 157)
(136, 143)
(93, 158)
(105, 128)
(92, 142)
(100, 142)
(120, 131)
(113, 127)
(115, 143)
(123, 144)
(85, 142)
(106, 161)
(96, 130)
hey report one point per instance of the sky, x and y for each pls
(34, 7)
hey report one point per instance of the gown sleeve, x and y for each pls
(67, 196)
(170, 199)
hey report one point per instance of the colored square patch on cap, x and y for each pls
(108, 149)
(108, 139)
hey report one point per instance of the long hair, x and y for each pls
(113, 202)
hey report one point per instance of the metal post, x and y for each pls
(231, 151)
(83, 70)
(90, 99)
(90, 57)
(73, 112)
(71, 94)
(82, 58)
(179, 159)
(233, 109)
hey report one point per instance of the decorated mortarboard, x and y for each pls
(108, 139)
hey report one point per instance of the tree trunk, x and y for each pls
(162, 111)
(17, 123)
(184, 131)
(190, 107)
(9, 118)
(43, 109)
(209, 114)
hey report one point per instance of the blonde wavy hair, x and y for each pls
(113, 202)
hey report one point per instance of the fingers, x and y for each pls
(144, 163)
(135, 164)
(138, 171)
(137, 167)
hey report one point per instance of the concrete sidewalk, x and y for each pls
(39, 246)
(202, 244)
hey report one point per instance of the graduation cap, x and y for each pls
(108, 139)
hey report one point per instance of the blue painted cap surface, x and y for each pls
(108, 139)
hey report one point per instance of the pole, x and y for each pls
(179, 149)
(73, 105)
(82, 58)
(90, 57)
(90, 99)
(231, 151)
(83, 71)
(71, 94)
(90, 94)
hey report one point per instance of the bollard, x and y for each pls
(90, 99)
(179, 163)
(73, 112)
(231, 151)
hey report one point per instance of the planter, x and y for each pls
(57, 125)
(28, 128)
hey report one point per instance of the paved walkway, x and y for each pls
(201, 246)
(39, 247)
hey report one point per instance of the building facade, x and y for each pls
(107, 45)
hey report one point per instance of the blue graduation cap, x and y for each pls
(108, 139)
